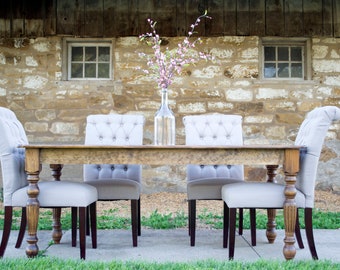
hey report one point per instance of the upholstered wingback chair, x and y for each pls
(311, 134)
(12, 157)
(204, 182)
(116, 181)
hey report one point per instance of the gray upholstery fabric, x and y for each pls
(205, 181)
(52, 193)
(114, 181)
(268, 195)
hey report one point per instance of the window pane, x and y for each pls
(104, 54)
(296, 70)
(269, 70)
(103, 70)
(90, 70)
(76, 70)
(296, 54)
(283, 70)
(77, 53)
(283, 54)
(90, 53)
(269, 53)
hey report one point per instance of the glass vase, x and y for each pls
(164, 133)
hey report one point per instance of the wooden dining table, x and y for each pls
(271, 156)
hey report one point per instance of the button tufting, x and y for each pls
(125, 168)
(215, 167)
(202, 166)
(99, 167)
(112, 167)
(229, 167)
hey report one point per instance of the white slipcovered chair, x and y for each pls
(116, 181)
(53, 194)
(204, 182)
(267, 195)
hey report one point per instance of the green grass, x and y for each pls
(111, 220)
(54, 263)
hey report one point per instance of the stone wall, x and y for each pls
(53, 110)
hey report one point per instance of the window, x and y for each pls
(285, 59)
(87, 60)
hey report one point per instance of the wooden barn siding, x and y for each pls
(112, 18)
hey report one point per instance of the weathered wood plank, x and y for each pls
(230, 17)
(5, 20)
(242, 17)
(17, 18)
(336, 5)
(274, 18)
(312, 17)
(93, 18)
(193, 10)
(50, 18)
(126, 17)
(293, 18)
(215, 26)
(161, 11)
(109, 19)
(34, 13)
(65, 17)
(256, 18)
(327, 16)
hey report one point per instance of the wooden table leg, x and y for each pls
(291, 168)
(32, 168)
(271, 213)
(57, 231)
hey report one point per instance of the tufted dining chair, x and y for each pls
(267, 195)
(204, 182)
(116, 181)
(74, 195)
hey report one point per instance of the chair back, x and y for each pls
(113, 129)
(312, 133)
(213, 129)
(12, 158)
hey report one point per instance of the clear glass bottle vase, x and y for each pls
(165, 132)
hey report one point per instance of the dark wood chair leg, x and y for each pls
(134, 221)
(298, 231)
(139, 219)
(309, 232)
(82, 232)
(252, 212)
(87, 224)
(232, 227)
(192, 222)
(22, 229)
(225, 225)
(74, 216)
(93, 223)
(7, 229)
(240, 221)
(189, 219)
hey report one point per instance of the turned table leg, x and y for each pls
(271, 213)
(291, 168)
(32, 168)
(57, 231)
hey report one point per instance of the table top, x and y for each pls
(258, 154)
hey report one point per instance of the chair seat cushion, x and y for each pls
(59, 194)
(208, 188)
(257, 195)
(116, 189)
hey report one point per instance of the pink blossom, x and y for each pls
(164, 64)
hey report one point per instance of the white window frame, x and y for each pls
(68, 43)
(305, 43)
